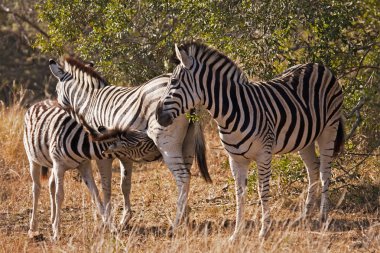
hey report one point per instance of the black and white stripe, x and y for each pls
(259, 119)
(54, 139)
(101, 104)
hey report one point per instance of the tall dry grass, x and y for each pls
(354, 226)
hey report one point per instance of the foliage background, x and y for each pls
(132, 41)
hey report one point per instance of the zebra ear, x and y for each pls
(186, 60)
(56, 70)
(90, 64)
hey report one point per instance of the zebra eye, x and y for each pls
(174, 81)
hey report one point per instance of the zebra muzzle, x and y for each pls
(163, 118)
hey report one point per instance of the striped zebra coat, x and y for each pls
(88, 93)
(54, 139)
(256, 120)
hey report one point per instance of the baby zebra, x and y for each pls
(52, 138)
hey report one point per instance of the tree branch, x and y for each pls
(23, 18)
(356, 111)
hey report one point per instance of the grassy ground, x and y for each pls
(354, 224)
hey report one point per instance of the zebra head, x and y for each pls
(183, 92)
(116, 140)
(78, 83)
(127, 141)
(62, 77)
(122, 141)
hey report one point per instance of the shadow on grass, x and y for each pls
(362, 197)
(251, 226)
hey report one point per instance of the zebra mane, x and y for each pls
(197, 50)
(72, 65)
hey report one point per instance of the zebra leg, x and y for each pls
(105, 171)
(188, 150)
(170, 141)
(265, 172)
(239, 171)
(181, 173)
(312, 164)
(326, 143)
(35, 172)
(125, 184)
(88, 178)
(59, 173)
(52, 197)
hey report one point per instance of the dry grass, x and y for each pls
(354, 226)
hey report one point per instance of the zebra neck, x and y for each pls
(222, 99)
(83, 104)
(97, 148)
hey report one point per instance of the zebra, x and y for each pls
(88, 93)
(259, 119)
(54, 139)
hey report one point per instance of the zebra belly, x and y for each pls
(42, 161)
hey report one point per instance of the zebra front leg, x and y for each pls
(265, 172)
(105, 171)
(35, 172)
(59, 174)
(239, 171)
(88, 178)
(326, 143)
(125, 184)
(312, 164)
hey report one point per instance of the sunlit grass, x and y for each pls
(354, 226)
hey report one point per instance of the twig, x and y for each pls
(361, 154)
(23, 18)
(356, 111)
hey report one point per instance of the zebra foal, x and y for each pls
(54, 139)
(256, 120)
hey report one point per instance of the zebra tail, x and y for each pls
(44, 173)
(200, 151)
(339, 141)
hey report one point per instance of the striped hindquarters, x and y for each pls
(50, 132)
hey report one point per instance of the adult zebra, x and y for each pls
(54, 139)
(88, 93)
(256, 120)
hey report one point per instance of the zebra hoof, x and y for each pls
(127, 216)
(323, 217)
(264, 232)
(32, 234)
(233, 238)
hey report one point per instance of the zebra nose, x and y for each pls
(163, 118)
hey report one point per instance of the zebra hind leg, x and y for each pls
(35, 172)
(326, 142)
(312, 165)
(181, 173)
(188, 151)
